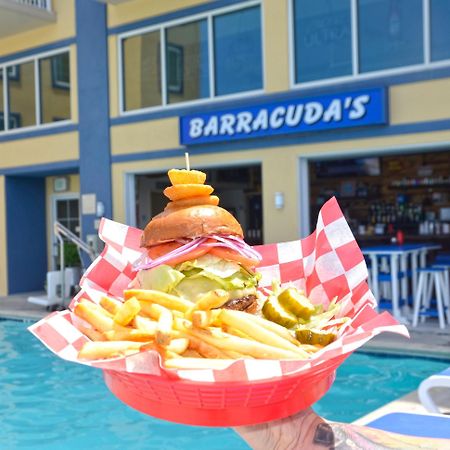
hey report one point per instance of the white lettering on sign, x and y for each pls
(196, 128)
(212, 128)
(359, 107)
(313, 112)
(343, 109)
(333, 112)
(226, 124)
(262, 120)
(277, 117)
(244, 120)
(294, 115)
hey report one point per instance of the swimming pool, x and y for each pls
(47, 403)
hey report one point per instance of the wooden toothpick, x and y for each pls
(186, 157)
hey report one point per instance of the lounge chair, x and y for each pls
(412, 424)
(439, 380)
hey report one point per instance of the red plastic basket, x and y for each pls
(221, 404)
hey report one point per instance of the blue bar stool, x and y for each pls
(429, 278)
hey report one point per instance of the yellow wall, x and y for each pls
(420, 102)
(3, 249)
(145, 136)
(50, 194)
(140, 9)
(62, 28)
(39, 150)
(113, 76)
(276, 45)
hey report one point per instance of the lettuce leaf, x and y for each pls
(193, 278)
(212, 264)
(162, 278)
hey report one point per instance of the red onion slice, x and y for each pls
(231, 242)
(151, 263)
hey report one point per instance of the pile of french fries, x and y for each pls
(187, 335)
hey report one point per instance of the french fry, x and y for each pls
(178, 345)
(204, 349)
(204, 319)
(111, 305)
(268, 325)
(127, 311)
(212, 299)
(224, 341)
(92, 313)
(92, 334)
(128, 334)
(164, 352)
(253, 329)
(161, 298)
(235, 331)
(153, 310)
(236, 355)
(190, 353)
(197, 363)
(164, 327)
(111, 349)
(145, 324)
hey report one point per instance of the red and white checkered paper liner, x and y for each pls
(326, 264)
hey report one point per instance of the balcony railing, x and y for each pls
(40, 4)
(17, 16)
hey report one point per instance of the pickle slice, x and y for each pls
(296, 303)
(314, 337)
(272, 310)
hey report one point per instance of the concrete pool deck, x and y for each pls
(426, 340)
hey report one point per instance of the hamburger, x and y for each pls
(194, 246)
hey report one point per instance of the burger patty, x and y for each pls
(247, 304)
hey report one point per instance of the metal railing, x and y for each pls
(39, 4)
(61, 233)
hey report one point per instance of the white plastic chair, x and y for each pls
(440, 380)
(429, 278)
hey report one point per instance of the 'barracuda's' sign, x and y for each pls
(360, 108)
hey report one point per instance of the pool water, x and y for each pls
(47, 403)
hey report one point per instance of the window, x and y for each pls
(440, 36)
(37, 91)
(187, 63)
(390, 34)
(60, 71)
(55, 88)
(2, 112)
(142, 70)
(350, 38)
(21, 95)
(237, 51)
(322, 34)
(218, 53)
(67, 214)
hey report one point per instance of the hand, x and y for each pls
(308, 431)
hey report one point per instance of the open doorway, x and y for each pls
(238, 187)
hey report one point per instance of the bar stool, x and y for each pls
(429, 278)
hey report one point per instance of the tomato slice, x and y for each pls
(226, 253)
(157, 251)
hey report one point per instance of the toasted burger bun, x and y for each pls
(191, 222)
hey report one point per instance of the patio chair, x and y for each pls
(432, 278)
(439, 380)
(412, 424)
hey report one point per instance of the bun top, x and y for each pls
(191, 222)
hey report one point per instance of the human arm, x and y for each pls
(307, 430)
